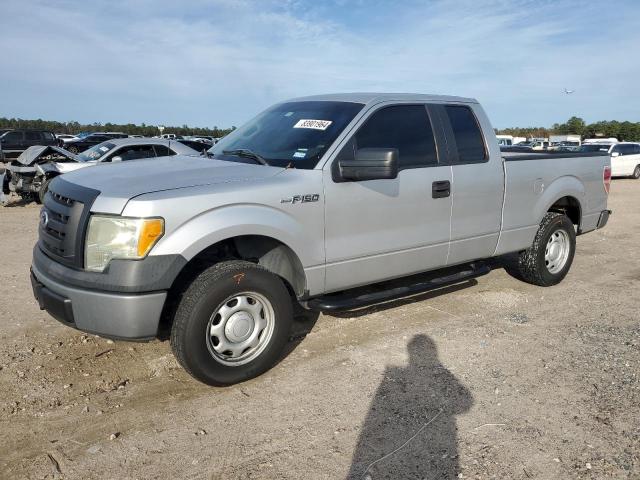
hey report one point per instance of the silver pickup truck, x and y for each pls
(310, 200)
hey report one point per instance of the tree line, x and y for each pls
(128, 128)
(623, 131)
(627, 131)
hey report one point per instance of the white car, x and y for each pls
(64, 137)
(625, 160)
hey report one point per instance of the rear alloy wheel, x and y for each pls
(73, 149)
(549, 259)
(636, 172)
(232, 323)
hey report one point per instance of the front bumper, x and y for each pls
(116, 315)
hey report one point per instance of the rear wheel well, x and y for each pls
(268, 252)
(569, 206)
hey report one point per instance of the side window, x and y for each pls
(12, 137)
(163, 151)
(48, 136)
(136, 152)
(617, 149)
(405, 127)
(33, 136)
(466, 131)
(636, 149)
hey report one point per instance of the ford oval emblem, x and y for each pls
(44, 218)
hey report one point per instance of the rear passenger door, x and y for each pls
(32, 138)
(477, 185)
(381, 229)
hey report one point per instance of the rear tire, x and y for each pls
(636, 172)
(232, 323)
(549, 259)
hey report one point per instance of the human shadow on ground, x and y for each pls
(410, 431)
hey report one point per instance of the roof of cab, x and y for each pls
(373, 98)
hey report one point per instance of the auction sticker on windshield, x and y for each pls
(314, 124)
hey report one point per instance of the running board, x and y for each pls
(350, 300)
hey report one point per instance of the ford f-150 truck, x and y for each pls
(307, 203)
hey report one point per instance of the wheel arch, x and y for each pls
(570, 206)
(268, 252)
(563, 195)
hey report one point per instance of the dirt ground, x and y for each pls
(493, 378)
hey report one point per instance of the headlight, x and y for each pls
(110, 237)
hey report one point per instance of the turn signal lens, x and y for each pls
(150, 232)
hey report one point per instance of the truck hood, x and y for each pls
(119, 182)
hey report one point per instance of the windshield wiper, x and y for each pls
(246, 153)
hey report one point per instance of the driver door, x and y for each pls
(380, 229)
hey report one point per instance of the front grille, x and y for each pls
(63, 221)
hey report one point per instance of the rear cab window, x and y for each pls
(467, 135)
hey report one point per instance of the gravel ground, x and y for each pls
(493, 378)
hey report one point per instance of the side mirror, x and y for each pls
(117, 158)
(371, 164)
(615, 154)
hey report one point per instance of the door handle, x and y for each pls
(441, 189)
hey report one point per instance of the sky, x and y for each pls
(219, 62)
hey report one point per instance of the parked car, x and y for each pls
(14, 142)
(625, 157)
(595, 147)
(198, 145)
(625, 160)
(81, 144)
(307, 202)
(207, 138)
(31, 174)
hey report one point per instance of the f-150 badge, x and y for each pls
(313, 197)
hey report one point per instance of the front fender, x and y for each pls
(222, 223)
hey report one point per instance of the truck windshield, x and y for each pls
(292, 134)
(96, 152)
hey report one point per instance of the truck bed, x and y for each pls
(534, 182)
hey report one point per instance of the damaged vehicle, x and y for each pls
(30, 174)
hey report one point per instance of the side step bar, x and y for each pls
(358, 298)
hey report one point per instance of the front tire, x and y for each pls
(549, 259)
(232, 323)
(636, 172)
